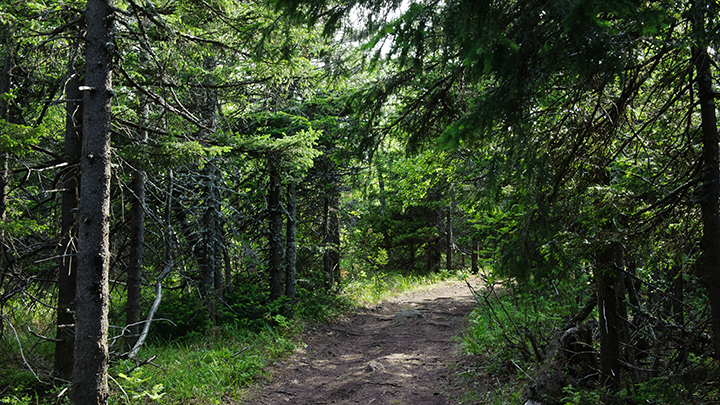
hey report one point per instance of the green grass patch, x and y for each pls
(203, 370)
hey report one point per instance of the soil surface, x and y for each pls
(403, 351)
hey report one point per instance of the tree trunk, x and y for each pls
(678, 289)
(474, 257)
(387, 240)
(137, 242)
(91, 349)
(434, 255)
(290, 249)
(710, 191)
(448, 236)
(68, 261)
(227, 265)
(4, 115)
(212, 280)
(209, 261)
(610, 324)
(275, 230)
(331, 239)
(334, 232)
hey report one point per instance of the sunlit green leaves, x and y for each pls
(16, 138)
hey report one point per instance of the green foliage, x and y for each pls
(16, 138)
(133, 385)
(575, 396)
(318, 305)
(501, 326)
(248, 307)
(20, 399)
(180, 315)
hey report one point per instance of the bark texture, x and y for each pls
(91, 350)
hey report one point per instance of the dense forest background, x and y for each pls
(172, 169)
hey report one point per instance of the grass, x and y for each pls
(203, 370)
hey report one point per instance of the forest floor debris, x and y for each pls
(366, 359)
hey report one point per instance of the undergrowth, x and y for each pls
(509, 337)
(189, 361)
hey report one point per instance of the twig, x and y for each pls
(148, 361)
(351, 333)
(521, 345)
(514, 325)
(41, 336)
(240, 352)
(520, 368)
(127, 398)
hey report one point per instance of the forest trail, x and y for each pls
(403, 351)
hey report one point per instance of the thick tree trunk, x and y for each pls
(137, 243)
(710, 192)
(91, 346)
(67, 265)
(290, 249)
(275, 230)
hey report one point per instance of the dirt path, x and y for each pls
(400, 352)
